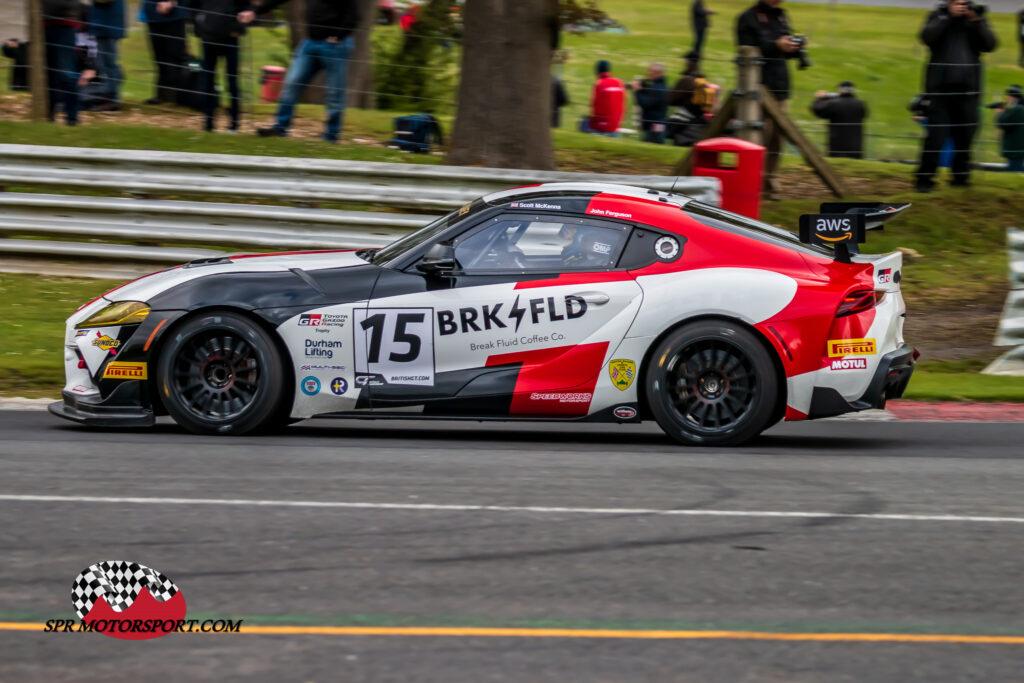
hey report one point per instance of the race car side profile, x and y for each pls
(563, 301)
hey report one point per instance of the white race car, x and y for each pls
(565, 301)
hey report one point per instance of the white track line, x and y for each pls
(428, 507)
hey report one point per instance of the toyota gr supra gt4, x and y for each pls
(564, 301)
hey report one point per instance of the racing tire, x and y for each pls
(221, 373)
(711, 383)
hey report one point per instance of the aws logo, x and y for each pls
(842, 228)
(832, 228)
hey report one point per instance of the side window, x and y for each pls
(540, 243)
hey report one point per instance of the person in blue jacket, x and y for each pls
(106, 24)
(651, 95)
(166, 22)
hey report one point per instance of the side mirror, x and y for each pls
(439, 260)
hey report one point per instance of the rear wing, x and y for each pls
(844, 225)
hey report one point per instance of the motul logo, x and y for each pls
(850, 364)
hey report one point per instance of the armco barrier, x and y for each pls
(1011, 326)
(142, 221)
(420, 186)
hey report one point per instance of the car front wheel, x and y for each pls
(221, 373)
(711, 383)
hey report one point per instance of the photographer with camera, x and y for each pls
(766, 26)
(651, 95)
(956, 33)
(1010, 120)
(845, 114)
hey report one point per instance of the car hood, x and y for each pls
(149, 286)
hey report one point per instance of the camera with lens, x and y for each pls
(972, 6)
(801, 54)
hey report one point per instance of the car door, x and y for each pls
(522, 327)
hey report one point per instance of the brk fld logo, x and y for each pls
(127, 600)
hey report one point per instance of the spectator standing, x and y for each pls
(956, 36)
(919, 107)
(845, 113)
(106, 25)
(559, 98)
(18, 51)
(166, 22)
(692, 97)
(330, 25)
(766, 26)
(701, 23)
(1020, 35)
(61, 21)
(216, 23)
(651, 95)
(607, 102)
(1011, 121)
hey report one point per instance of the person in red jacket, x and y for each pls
(607, 102)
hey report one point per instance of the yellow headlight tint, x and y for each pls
(119, 313)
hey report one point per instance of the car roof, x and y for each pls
(587, 189)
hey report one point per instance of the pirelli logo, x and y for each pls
(837, 348)
(116, 370)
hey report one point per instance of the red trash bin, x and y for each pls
(272, 79)
(740, 172)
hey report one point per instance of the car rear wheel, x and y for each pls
(711, 383)
(221, 373)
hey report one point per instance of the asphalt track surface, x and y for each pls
(851, 528)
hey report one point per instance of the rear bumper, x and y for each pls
(121, 409)
(890, 381)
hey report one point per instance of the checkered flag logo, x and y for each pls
(119, 583)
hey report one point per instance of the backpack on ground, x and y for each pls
(414, 133)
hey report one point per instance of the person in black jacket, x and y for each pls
(330, 25)
(559, 98)
(1020, 35)
(956, 35)
(766, 26)
(651, 95)
(845, 113)
(166, 22)
(217, 24)
(18, 51)
(699, 19)
(61, 21)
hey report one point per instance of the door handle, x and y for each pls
(594, 298)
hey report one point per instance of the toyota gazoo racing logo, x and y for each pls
(834, 229)
(127, 600)
(547, 309)
(884, 276)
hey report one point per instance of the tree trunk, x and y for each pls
(360, 71)
(504, 111)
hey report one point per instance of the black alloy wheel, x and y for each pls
(221, 373)
(711, 383)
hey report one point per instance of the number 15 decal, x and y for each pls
(394, 346)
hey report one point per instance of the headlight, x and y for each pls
(120, 313)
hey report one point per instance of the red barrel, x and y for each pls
(272, 79)
(739, 165)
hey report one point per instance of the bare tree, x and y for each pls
(504, 110)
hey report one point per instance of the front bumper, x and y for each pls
(122, 408)
(890, 381)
